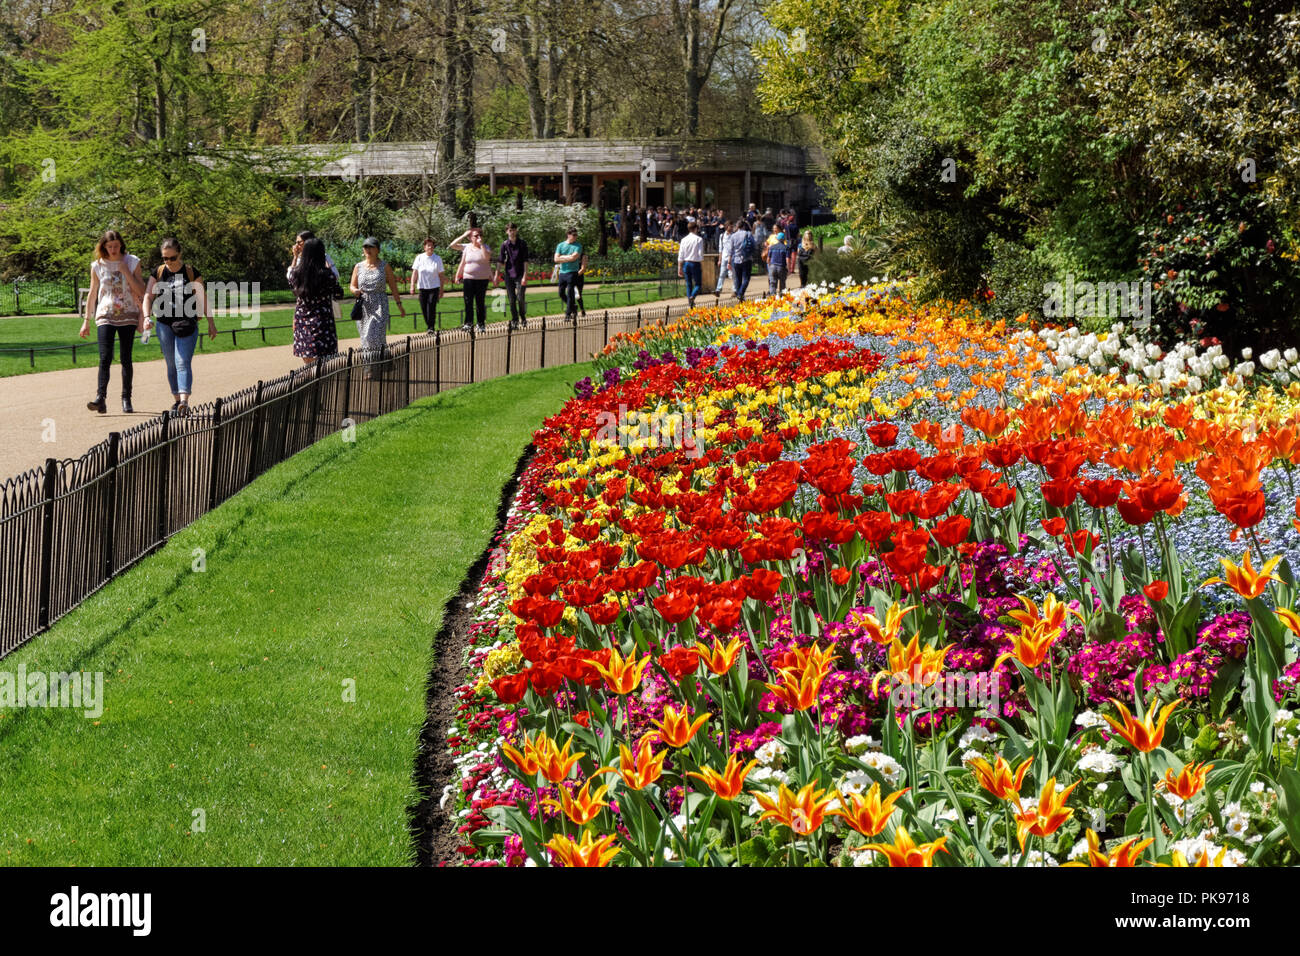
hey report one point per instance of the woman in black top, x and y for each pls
(316, 288)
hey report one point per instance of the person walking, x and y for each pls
(728, 229)
(296, 253)
(512, 264)
(372, 281)
(742, 258)
(315, 286)
(776, 256)
(116, 291)
(572, 260)
(474, 273)
(690, 261)
(804, 255)
(426, 279)
(176, 297)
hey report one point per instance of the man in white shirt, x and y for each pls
(690, 261)
(426, 278)
(724, 256)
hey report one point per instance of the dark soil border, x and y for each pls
(433, 830)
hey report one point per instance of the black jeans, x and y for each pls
(106, 334)
(568, 293)
(475, 292)
(429, 307)
(515, 295)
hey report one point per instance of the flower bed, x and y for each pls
(842, 580)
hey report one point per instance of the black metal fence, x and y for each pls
(38, 296)
(68, 528)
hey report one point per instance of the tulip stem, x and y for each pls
(1151, 803)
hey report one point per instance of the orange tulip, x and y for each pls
(640, 770)
(798, 691)
(905, 852)
(1189, 781)
(1244, 580)
(1290, 618)
(719, 659)
(1203, 860)
(622, 675)
(555, 764)
(1126, 854)
(590, 852)
(730, 782)
(582, 808)
(803, 813)
(1053, 613)
(883, 633)
(868, 815)
(1045, 818)
(1144, 736)
(1031, 645)
(525, 761)
(911, 658)
(999, 779)
(676, 729)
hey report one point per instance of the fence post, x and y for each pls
(110, 499)
(18, 302)
(510, 334)
(408, 371)
(216, 454)
(473, 342)
(47, 545)
(347, 387)
(543, 341)
(255, 441)
(606, 332)
(638, 317)
(437, 360)
(164, 472)
(315, 399)
(575, 338)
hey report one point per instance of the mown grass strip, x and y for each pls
(225, 691)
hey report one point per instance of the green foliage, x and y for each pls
(133, 132)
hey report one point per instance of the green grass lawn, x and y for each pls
(274, 326)
(224, 690)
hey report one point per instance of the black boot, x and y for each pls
(126, 405)
(98, 405)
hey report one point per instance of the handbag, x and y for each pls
(358, 311)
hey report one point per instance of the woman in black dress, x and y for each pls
(316, 287)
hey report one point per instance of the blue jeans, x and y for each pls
(178, 354)
(740, 277)
(694, 274)
(724, 269)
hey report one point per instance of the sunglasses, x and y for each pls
(170, 258)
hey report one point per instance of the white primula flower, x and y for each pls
(976, 733)
(1078, 851)
(771, 753)
(1280, 717)
(861, 743)
(970, 756)
(1100, 762)
(885, 765)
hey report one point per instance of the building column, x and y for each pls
(668, 190)
(528, 184)
(564, 182)
(640, 188)
(492, 180)
(745, 200)
(595, 190)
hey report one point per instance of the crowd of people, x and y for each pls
(663, 222)
(172, 300)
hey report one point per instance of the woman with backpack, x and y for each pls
(116, 289)
(176, 297)
(803, 255)
(742, 258)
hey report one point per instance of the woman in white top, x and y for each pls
(426, 279)
(116, 293)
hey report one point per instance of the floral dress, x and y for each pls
(314, 333)
(373, 283)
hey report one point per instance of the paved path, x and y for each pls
(44, 415)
